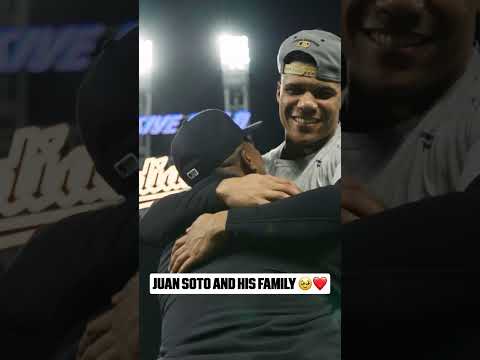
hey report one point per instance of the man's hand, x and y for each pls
(114, 335)
(97, 341)
(255, 189)
(347, 216)
(203, 239)
(357, 202)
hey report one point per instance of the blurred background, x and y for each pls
(183, 72)
(45, 49)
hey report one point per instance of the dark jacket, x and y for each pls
(241, 326)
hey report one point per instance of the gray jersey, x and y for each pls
(429, 156)
(319, 169)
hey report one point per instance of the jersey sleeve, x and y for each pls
(178, 211)
(304, 218)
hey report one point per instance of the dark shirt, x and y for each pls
(66, 274)
(408, 278)
(248, 326)
(394, 267)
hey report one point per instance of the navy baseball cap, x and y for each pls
(204, 142)
(107, 111)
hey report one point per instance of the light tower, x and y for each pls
(235, 60)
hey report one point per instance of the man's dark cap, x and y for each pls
(204, 142)
(107, 111)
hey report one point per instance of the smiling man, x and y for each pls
(238, 327)
(410, 116)
(407, 47)
(411, 135)
(309, 100)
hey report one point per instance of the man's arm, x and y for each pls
(282, 219)
(422, 256)
(311, 218)
(308, 215)
(180, 210)
(439, 228)
(114, 334)
(307, 218)
(290, 218)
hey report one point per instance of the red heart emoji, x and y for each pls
(320, 282)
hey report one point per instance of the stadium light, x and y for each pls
(234, 52)
(145, 57)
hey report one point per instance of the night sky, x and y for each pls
(187, 75)
(52, 95)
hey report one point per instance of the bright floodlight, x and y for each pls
(145, 56)
(234, 52)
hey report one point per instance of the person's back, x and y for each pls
(246, 326)
(237, 326)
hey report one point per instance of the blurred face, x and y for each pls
(404, 47)
(308, 108)
(255, 159)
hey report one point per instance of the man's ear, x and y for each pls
(279, 87)
(248, 165)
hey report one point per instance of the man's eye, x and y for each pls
(294, 91)
(324, 94)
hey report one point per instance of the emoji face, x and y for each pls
(305, 283)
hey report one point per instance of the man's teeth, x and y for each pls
(397, 40)
(303, 121)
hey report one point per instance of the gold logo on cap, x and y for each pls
(304, 44)
(300, 69)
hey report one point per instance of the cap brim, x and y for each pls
(250, 128)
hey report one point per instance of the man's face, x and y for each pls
(257, 163)
(309, 108)
(404, 47)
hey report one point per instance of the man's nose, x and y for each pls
(307, 103)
